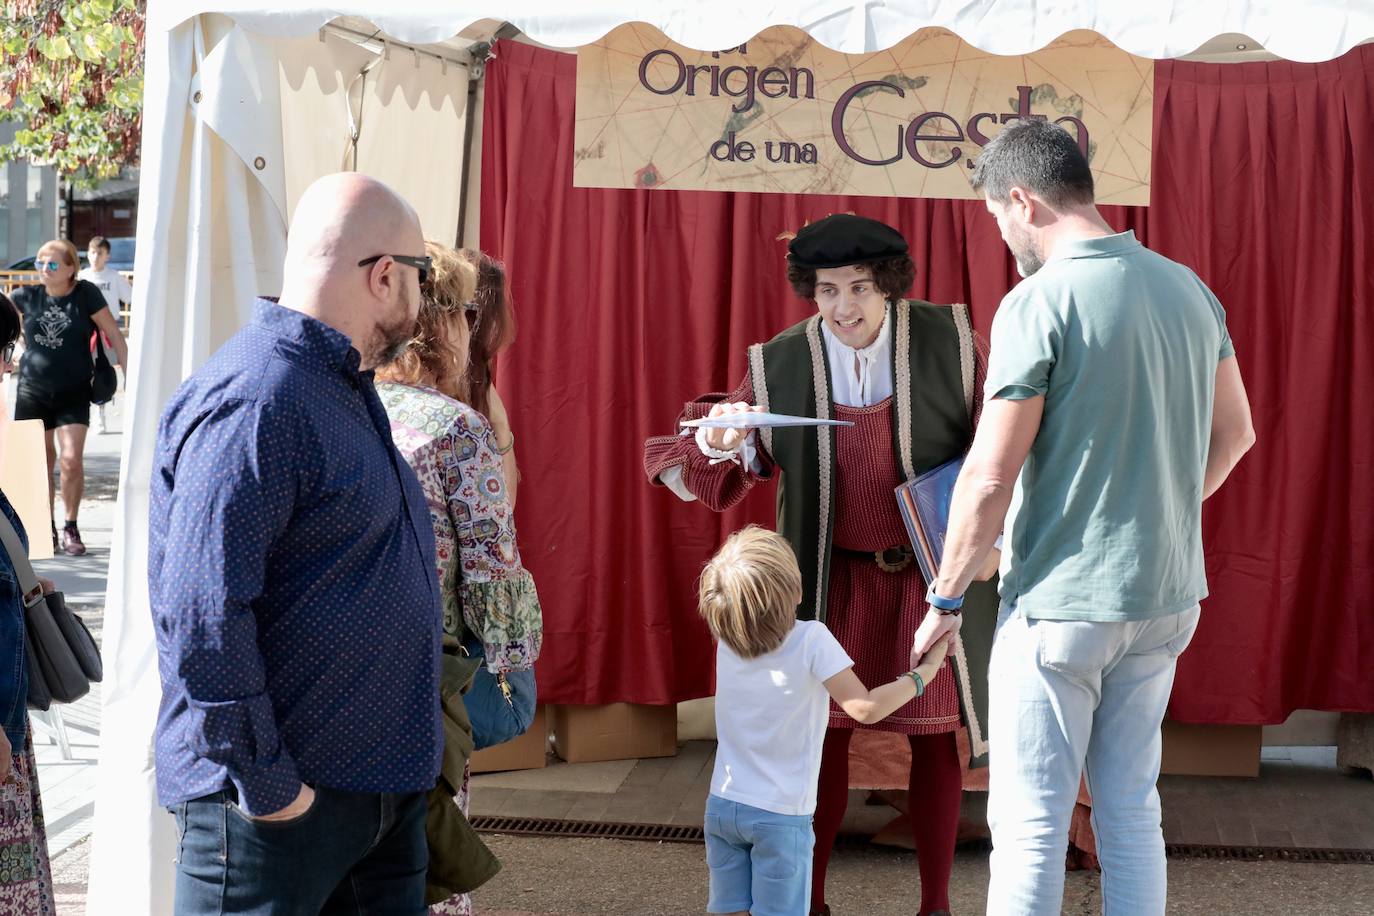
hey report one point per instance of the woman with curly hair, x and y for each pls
(489, 597)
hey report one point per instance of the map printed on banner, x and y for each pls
(785, 114)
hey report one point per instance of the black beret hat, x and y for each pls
(844, 239)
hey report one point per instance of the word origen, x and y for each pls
(743, 83)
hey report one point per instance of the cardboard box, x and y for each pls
(620, 731)
(528, 752)
(1211, 750)
(23, 477)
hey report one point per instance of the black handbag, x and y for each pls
(63, 658)
(104, 381)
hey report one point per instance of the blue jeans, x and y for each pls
(348, 853)
(1070, 698)
(760, 862)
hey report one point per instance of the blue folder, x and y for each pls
(924, 503)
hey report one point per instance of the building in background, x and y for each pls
(111, 210)
(29, 205)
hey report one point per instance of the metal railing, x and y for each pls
(9, 279)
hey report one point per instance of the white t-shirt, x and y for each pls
(771, 713)
(112, 286)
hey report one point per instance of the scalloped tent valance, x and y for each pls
(1310, 31)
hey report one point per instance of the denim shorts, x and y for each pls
(760, 861)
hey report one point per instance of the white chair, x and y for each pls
(51, 724)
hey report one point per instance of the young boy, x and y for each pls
(775, 676)
(113, 287)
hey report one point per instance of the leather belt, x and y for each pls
(890, 559)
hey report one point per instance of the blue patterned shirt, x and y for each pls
(291, 575)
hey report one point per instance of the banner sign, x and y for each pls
(784, 114)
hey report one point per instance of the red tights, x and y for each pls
(935, 786)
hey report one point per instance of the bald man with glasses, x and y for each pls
(291, 576)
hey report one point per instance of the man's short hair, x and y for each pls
(1039, 156)
(98, 241)
(892, 276)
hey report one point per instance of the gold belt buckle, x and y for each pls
(880, 557)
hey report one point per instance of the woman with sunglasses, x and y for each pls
(60, 315)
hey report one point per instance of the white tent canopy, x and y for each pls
(246, 102)
(1309, 31)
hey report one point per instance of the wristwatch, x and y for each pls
(949, 606)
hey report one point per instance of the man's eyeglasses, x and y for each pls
(423, 264)
(51, 267)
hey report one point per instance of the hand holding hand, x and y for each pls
(935, 627)
(727, 440)
(935, 658)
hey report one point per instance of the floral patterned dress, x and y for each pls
(452, 450)
(25, 876)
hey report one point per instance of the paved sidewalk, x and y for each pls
(562, 877)
(68, 781)
(1301, 800)
(543, 877)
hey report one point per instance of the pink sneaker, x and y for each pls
(72, 545)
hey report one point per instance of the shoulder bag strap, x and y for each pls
(28, 580)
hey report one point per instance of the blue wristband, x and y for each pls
(940, 603)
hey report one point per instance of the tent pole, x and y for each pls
(475, 76)
(477, 68)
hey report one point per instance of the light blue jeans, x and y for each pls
(1065, 694)
(760, 861)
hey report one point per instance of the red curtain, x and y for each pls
(631, 302)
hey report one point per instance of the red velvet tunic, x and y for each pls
(874, 614)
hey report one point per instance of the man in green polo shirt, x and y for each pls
(1113, 407)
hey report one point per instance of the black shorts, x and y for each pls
(61, 408)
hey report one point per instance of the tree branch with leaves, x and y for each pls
(71, 72)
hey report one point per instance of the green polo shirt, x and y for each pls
(1106, 519)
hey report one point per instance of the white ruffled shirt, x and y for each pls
(859, 378)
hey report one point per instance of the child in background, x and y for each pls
(116, 290)
(775, 676)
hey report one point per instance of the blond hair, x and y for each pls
(749, 592)
(438, 354)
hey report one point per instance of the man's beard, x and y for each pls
(390, 340)
(1025, 251)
